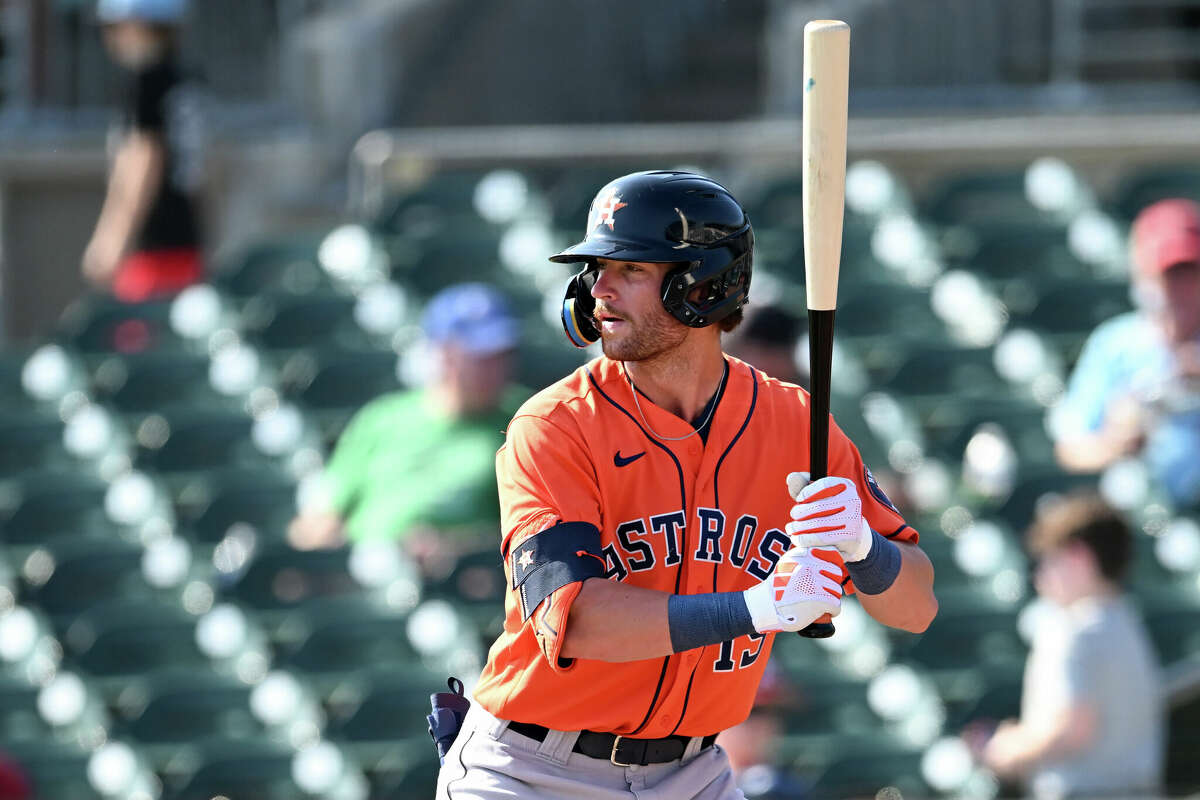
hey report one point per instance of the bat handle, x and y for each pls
(820, 359)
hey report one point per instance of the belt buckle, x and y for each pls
(613, 755)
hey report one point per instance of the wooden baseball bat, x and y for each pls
(826, 92)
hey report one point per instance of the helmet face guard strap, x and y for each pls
(579, 306)
(699, 294)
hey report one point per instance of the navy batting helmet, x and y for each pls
(664, 217)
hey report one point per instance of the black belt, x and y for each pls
(620, 750)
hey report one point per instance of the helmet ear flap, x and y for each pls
(578, 307)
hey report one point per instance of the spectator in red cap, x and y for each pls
(1136, 387)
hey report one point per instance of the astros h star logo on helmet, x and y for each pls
(604, 211)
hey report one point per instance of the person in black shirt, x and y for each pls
(147, 240)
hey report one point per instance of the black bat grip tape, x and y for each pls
(820, 359)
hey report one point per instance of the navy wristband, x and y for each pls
(697, 620)
(878, 571)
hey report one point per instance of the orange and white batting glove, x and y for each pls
(802, 588)
(828, 513)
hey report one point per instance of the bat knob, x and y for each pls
(821, 629)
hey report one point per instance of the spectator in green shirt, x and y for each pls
(418, 466)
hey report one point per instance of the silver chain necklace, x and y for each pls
(711, 409)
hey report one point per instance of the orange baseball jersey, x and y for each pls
(686, 517)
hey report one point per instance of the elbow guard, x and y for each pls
(566, 553)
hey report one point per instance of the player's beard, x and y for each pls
(643, 338)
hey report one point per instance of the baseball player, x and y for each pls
(651, 544)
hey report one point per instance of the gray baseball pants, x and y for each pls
(490, 762)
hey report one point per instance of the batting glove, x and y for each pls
(828, 513)
(802, 588)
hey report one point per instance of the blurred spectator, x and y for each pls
(147, 240)
(753, 746)
(1136, 388)
(1091, 719)
(767, 339)
(419, 466)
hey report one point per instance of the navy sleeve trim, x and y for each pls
(566, 553)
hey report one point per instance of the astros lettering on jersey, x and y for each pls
(686, 517)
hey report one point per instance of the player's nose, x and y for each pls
(602, 289)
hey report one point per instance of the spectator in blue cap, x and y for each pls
(418, 466)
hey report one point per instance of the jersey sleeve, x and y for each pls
(547, 488)
(878, 510)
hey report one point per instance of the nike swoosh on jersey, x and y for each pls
(624, 461)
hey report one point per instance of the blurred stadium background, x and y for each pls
(157, 636)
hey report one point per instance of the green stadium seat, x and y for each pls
(428, 266)
(209, 506)
(831, 706)
(937, 371)
(190, 441)
(280, 579)
(165, 710)
(286, 264)
(988, 195)
(949, 424)
(1073, 307)
(866, 771)
(99, 325)
(31, 440)
(20, 719)
(282, 322)
(117, 640)
(87, 572)
(416, 778)
(1000, 251)
(12, 391)
(1032, 485)
(967, 638)
(444, 196)
(38, 506)
(158, 382)
(331, 637)
(996, 697)
(1150, 184)
(372, 713)
(233, 768)
(55, 769)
